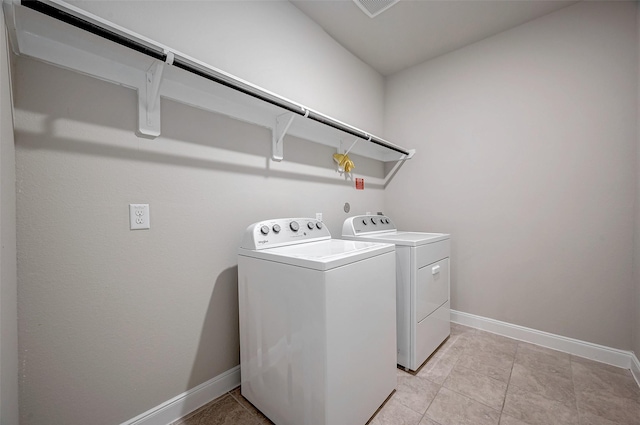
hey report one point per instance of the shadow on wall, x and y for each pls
(219, 342)
(191, 137)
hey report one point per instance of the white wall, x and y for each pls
(636, 299)
(8, 288)
(527, 155)
(114, 322)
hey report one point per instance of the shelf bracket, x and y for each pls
(13, 26)
(283, 122)
(396, 167)
(149, 99)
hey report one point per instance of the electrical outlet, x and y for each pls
(139, 216)
(319, 216)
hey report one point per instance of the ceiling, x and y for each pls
(413, 31)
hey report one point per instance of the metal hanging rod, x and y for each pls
(61, 15)
(228, 81)
(55, 10)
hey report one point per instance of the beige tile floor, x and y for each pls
(479, 378)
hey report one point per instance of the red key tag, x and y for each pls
(359, 184)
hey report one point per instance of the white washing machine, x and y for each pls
(422, 276)
(317, 323)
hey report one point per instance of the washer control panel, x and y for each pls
(283, 231)
(361, 224)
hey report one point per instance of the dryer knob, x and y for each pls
(294, 226)
(374, 221)
(310, 225)
(264, 230)
(319, 225)
(364, 221)
(276, 228)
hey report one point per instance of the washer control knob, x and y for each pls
(364, 221)
(276, 228)
(310, 225)
(264, 230)
(294, 226)
(319, 225)
(373, 220)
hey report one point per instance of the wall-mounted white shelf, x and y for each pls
(61, 34)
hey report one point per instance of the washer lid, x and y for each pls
(402, 238)
(320, 255)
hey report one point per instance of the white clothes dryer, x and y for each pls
(317, 323)
(422, 278)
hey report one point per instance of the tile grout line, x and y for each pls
(487, 376)
(519, 347)
(426, 379)
(472, 399)
(424, 415)
(509, 384)
(421, 377)
(184, 420)
(601, 371)
(243, 406)
(509, 380)
(573, 383)
(460, 394)
(545, 397)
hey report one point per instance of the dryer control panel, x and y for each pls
(362, 224)
(283, 231)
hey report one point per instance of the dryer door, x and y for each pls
(432, 288)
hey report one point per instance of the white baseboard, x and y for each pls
(576, 347)
(172, 410)
(635, 368)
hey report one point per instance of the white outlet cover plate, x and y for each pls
(139, 216)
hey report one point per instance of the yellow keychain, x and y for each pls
(344, 162)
